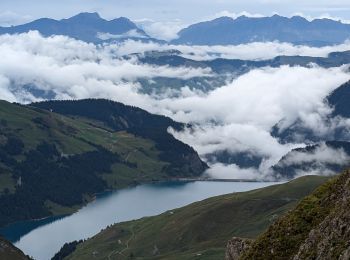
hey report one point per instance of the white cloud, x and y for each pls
(9, 18)
(69, 67)
(164, 30)
(108, 36)
(233, 15)
(251, 51)
(321, 155)
(221, 171)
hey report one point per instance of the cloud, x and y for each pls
(164, 30)
(245, 111)
(222, 171)
(237, 117)
(251, 51)
(233, 15)
(108, 36)
(321, 155)
(9, 18)
(323, 160)
(73, 68)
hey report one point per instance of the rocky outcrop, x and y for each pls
(318, 228)
(236, 246)
(331, 238)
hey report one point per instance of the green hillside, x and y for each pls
(52, 164)
(200, 230)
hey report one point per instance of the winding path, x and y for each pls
(126, 246)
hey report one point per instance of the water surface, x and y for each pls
(127, 204)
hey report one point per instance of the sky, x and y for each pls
(187, 11)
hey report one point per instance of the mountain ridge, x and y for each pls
(295, 30)
(90, 27)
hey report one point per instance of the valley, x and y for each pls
(201, 229)
(179, 130)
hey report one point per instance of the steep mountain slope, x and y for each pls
(325, 158)
(181, 158)
(199, 230)
(89, 27)
(52, 164)
(296, 30)
(318, 228)
(10, 252)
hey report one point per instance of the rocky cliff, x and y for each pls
(318, 228)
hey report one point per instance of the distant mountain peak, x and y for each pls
(277, 16)
(85, 16)
(84, 26)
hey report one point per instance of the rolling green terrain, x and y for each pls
(198, 231)
(52, 164)
(318, 228)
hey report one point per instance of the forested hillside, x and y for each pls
(52, 164)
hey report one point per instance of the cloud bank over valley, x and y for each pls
(236, 118)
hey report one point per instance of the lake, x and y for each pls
(42, 239)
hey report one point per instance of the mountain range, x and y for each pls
(90, 27)
(295, 30)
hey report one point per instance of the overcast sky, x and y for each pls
(160, 10)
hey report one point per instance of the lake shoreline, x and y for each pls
(123, 205)
(92, 198)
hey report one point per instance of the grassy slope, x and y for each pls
(200, 230)
(74, 136)
(283, 239)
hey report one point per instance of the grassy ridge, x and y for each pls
(74, 136)
(200, 230)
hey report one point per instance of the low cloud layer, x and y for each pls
(73, 69)
(237, 117)
(322, 154)
(323, 160)
(250, 51)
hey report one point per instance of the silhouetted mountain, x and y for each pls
(88, 27)
(339, 100)
(296, 30)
